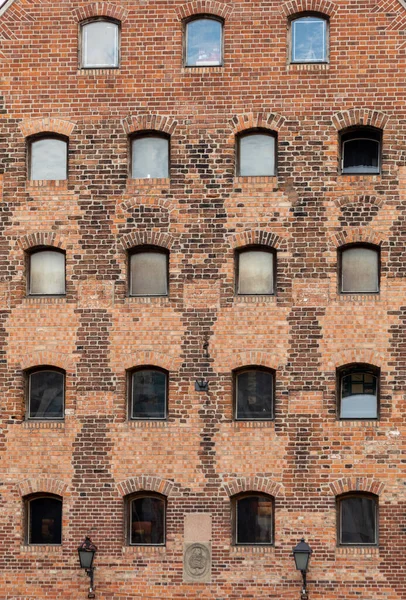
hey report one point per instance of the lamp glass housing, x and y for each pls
(302, 554)
(86, 558)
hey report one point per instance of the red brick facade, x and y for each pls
(200, 457)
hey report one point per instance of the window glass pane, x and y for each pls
(257, 155)
(255, 272)
(45, 521)
(49, 159)
(358, 516)
(100, 44)
(360, 270)
(203, 42)
(359, 396)
(254, 520)
(47, 272)
(361, 156)
(149, 274)
(150, 157)
(149, 394)
(46, 390)
(254, 395)
(309, 40)
(147, 521)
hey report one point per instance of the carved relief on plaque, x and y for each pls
(197, 562)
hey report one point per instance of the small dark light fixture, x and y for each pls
(302, 553)
(86, 551)
(201, 385)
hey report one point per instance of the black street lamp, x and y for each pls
(86, 551)
(302, 554)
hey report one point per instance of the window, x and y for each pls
(48, 159)
(46, 391)
(253, 519)
(100, 44)
(358, 520)
(44, 520)
(148, 393)
(256, 154)
(46, 273)
(147, 520)
(309, 39)
(204, 42)
(254, 394)
(358, 392)
(149, 272)
(150, 157)
(361, 151)
(360, 269)
(255, 271)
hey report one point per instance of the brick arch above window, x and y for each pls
(356, 235)
(153, 201)
(46, 125)
(255, 237)
(256, 358)
(351, 200)
(148, 238)
(47, 357)
(245, 122)
(348, 356)
(42, 238)
(203, 7)
(364, 117)
(42, 484)
(293, 7)
(100, 9)
(150, 122)
(264, 485)
(357, 484)
(151, 357)
(145, 483)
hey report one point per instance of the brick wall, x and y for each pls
(200, 456)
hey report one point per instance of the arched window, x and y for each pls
(48, 158)
(46, 272)
(361, 151)
(256, 153)
(100, 44)
(359, 269)
(358, 387)
(149, 271)
(255, 271)
(146, 518)
(44, 519)
(358, 520)
(204, 42)
(45, 393)
(150, 156)
(148, 387)
(254, 394)
(253, 519)
(309, 39)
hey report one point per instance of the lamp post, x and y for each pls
(301, 555)
(86, 551)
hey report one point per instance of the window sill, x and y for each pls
(359, 298)
(60, 425)
(358, 423)
(250, 180)
(246, 299)
(358, 550)
(144, 549)
(147, 424)
(103, 72)
(147, 299)
(308, 66)
(45, 300)
(372, 177)
(145, 183)
(202, 70)
(253, 549)
(270, 424)
(33, 549)
(52, 184)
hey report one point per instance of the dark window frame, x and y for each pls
(234, 519)
(27, 517)
(128, 516)
(198, 17)
(130, 374)
(81, 25)
(45, 135)
(361, 131)
(250, 248)
(301, 15)
(252, 132)
(341, 251)
(245, 369)
(339, 501)
(36, 250)
(144, 134)
(147, 248)
(27, 387)
(348, 369)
